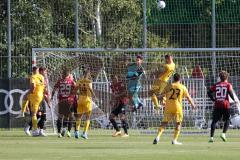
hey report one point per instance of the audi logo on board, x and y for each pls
(9, 101)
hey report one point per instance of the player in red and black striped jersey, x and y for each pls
(65, 87)
(120, 101)
(219, 93)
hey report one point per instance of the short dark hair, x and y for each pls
(176, 77)
(140, 57)
(66, 72)
(167, 56)
(34, 68)
(223, 75)
(41, 69)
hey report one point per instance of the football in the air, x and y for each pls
(161, 4)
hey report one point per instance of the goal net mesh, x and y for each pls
(199, 70)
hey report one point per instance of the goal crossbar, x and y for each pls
(134, 49)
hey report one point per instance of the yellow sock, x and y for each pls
(78, 123)
(87, 124)
(160, 131)
(24, 105)
(34, 122)
(155, 100)
(176, 134)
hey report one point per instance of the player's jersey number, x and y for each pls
(221, 92)
(175, 93)
(65, 89)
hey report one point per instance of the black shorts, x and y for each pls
(65, 108)
(120, 109)
(219, 113)
(73, 108)
(43, 106)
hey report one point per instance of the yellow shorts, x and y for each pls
(34, 102)
(177, 117)
(84, 105)
(158, 86)
(34, 105)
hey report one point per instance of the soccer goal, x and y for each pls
(199, 68)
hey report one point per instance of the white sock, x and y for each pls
(28, 127)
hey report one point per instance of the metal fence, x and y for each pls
(111, 24)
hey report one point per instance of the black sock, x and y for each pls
(213, 126)
(41, 123)
(59, 125)
(124, 126)
(115, 126)
(69, 125)
(30, 124)
(226, 125)
(65, 122)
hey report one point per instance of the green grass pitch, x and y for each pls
(14, 145)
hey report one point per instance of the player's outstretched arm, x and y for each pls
(210, 95)
(230, 93)
(47, 99)
(92, 93)
(190, 100)
(161, 71)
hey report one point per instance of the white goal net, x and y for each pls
(199, 69)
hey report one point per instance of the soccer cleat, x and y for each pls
(117, 133)
(35, 133)
(176, 142)
(63, 132)
(41, 133)
(84, 135)
(223, 137)
(59, 135)
(210, 140)
(68, 134)
(155, 141)
(76, 134)
(26, 130)
(125, 135)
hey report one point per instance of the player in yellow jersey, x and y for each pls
(25, 99)
(162, 79)
(85, 93)
(173, 108)
(35, 97)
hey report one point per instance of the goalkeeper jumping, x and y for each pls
(134, 74)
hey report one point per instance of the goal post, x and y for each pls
(194, 64)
